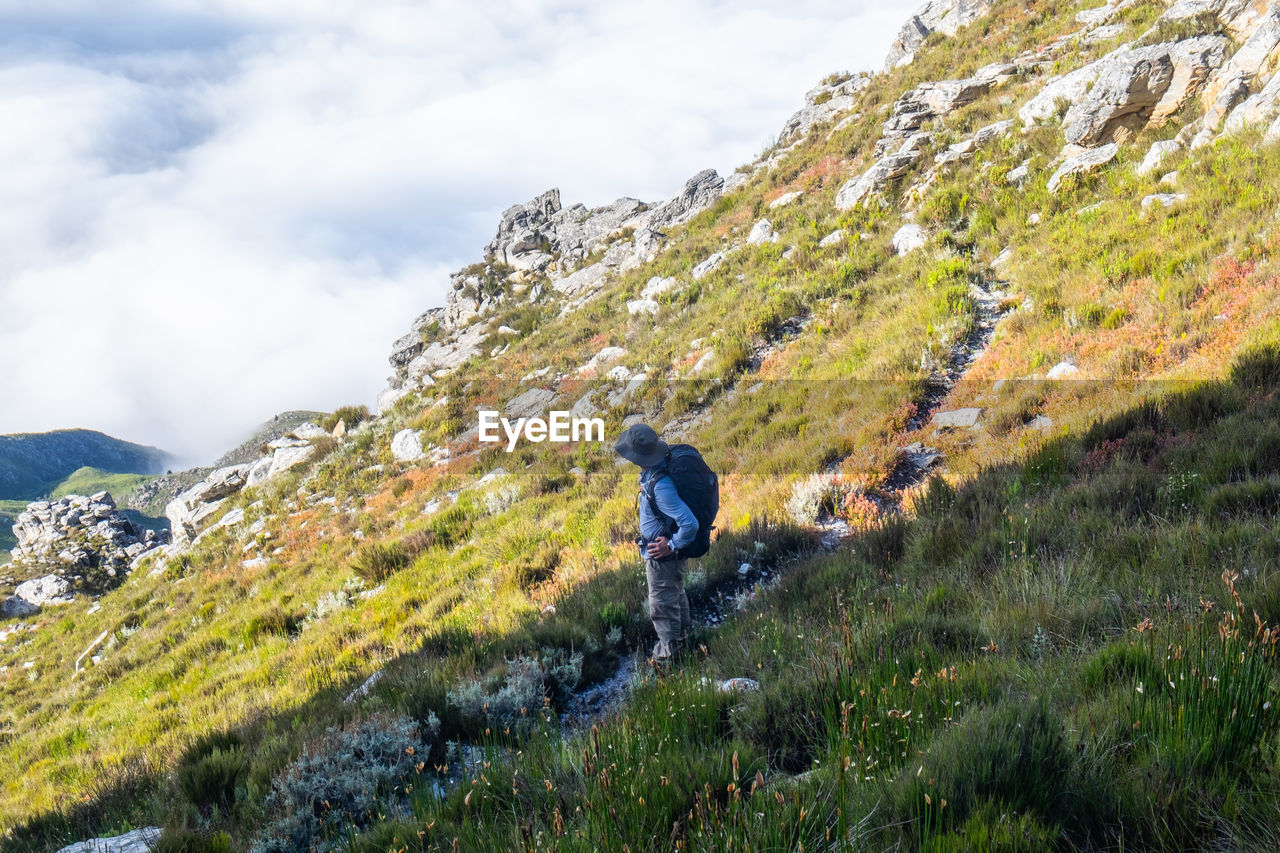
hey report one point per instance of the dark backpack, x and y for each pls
(697, 486)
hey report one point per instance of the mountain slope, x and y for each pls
(993, 400)
(31, 463)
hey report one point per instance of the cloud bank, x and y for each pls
(218, 211)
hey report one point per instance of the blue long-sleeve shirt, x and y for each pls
(665, 495)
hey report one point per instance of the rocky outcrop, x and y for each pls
(1137, 87)
(697, 194)
(190, 512)
(886, 169)
(1257, 56)
(538, 233)
(822, 103)
(406, 446)
(936, 16)
(73, 545)
(903, 141)
(1258, 110)
(966, 148)
(542, 242)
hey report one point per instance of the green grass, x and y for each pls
(90, 481)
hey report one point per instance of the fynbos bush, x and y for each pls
(340, 780)
(526, 689)
(816, 494)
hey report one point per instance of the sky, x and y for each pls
(214, 211)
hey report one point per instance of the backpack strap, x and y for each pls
(648, 492)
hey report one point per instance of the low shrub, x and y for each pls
(340, 780)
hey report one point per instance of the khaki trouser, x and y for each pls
(668, 604)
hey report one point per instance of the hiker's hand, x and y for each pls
(660, 548)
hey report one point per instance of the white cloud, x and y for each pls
(215, 212)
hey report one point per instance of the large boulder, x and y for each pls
(46, 591)
(16, 607)
(1135, 87)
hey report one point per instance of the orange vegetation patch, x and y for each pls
(739, 217)
(817, 174)
(419, 479)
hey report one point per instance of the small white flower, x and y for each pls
(1139, 686)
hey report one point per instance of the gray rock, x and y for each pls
(530, 403)
(981, 139)
(658, 285)
(1063, 370)
(289, 457)
(1083, 163)
(15, 607)
(956, 418)
(738, 685)
(1070, 89)
(406, 349)
(785, 199)
(258, 472)
(927, 102)
(406, 446)
(137, 841)
(586, 280)
(888, 168)
(762, 232)
(1262, 108)
(46, 591)
(705, 268)
(1138, 86)
(1097, 35)
(607, 355)
(834, 238)
(822, 103)
(1156, 155)
(309, 432)
(698, 193)
(642, 306)
(1163, 199)
(908, 238)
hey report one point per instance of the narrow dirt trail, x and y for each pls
(918, 459)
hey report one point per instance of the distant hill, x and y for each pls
(33, 463)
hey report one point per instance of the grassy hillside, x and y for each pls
(1059, 637)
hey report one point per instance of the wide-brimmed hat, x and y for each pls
(641, 445)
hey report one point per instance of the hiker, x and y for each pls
(679, 497)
